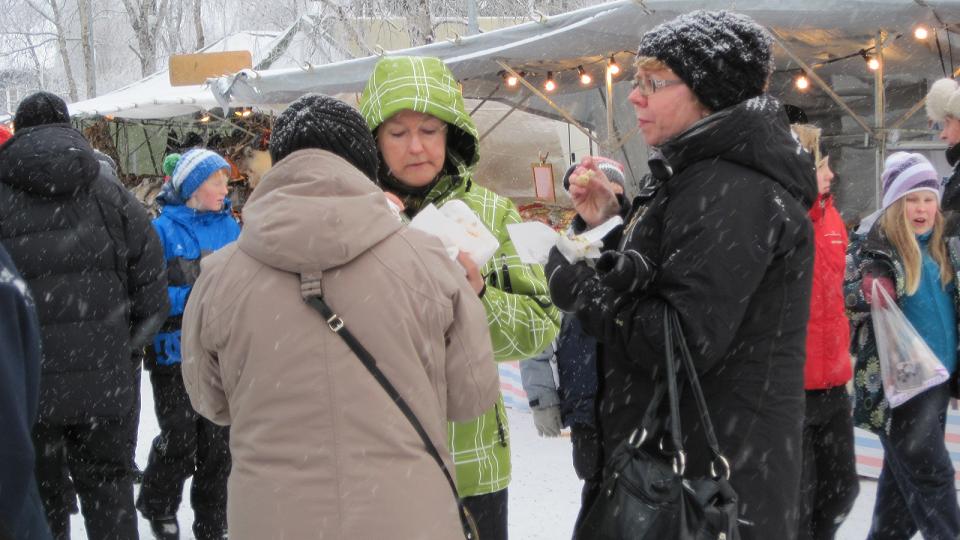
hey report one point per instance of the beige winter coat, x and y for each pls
(319, 450)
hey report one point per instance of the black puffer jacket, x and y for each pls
(725, 221)
(93, 262)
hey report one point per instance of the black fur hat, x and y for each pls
(725, 58)
(325, 123)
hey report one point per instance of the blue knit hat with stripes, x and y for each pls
(193, 169)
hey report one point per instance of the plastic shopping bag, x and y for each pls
(907, 365)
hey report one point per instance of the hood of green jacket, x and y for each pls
(425, 85)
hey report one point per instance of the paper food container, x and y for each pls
(459, 229)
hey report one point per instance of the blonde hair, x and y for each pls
(649, 63)
(809, 136)
(898, 231)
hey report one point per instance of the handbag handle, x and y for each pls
(719, 466)
(335, 323)
(674, 339)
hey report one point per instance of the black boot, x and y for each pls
(165, 527)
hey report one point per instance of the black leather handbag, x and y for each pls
(646, 492)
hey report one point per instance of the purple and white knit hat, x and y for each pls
(905, 173)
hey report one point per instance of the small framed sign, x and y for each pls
(543, 183)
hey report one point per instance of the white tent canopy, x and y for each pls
(814, 30)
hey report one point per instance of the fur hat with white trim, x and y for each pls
(943, 100)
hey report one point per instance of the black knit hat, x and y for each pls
(39, 109)
(325, 123)
(725, 58)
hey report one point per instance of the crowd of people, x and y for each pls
(326, 371)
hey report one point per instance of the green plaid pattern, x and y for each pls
(522, 321)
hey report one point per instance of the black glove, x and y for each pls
(625, 271)
(567, 281)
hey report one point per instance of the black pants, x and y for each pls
(490, 513)
(588, 464)
(916, 490)
(829, 483)
(188, 445)
(100, 469)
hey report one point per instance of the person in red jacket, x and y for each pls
(829, 484)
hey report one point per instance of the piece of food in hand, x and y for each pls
(583, 178)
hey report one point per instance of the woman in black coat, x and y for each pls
(719, 233)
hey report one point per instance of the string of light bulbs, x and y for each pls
(552, 77)
(920, 33)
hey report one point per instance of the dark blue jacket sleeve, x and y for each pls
(20, 513)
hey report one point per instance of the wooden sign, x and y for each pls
(192, 69)
(543, 184)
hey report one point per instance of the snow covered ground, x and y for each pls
(544, 494)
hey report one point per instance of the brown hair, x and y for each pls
(901, 236)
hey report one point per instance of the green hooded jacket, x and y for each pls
(522, 320)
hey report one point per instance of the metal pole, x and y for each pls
(820, 82)
(514, 107)
(879, 113)
(472, 27)
(608, 79)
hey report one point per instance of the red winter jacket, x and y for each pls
(828, 332)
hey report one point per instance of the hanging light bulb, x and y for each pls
(585, 77)
(873, 63)
(549, 85)
(921, 32)
(802, 82)
(204, 117)
(512, 80)
(613, 67)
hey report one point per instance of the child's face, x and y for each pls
(211, 193)
(921, 208)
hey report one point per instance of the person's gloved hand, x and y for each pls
(547, 421)
(625, 271)
(566, 281)
(885, 282)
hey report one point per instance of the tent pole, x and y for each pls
(820, 82)
(482, 101)
(879, 113)
(608, 79)
(504, 117)
(916, 107)
(549, 101)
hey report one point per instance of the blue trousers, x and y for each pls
(916, 487)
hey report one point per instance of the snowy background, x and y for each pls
(544, 493)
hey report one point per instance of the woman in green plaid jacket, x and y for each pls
(429, 150)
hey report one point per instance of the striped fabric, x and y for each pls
(905, 173)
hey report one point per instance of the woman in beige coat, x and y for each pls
(319, 449)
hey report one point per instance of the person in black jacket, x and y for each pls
(21, 512)
(86, 248)
(723, 219)
(943, 106)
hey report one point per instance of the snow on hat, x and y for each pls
(612, 169)
(725, 58)
(905, 173)
(41, 108)
(193, 169)
(325, 123)
(943, 100)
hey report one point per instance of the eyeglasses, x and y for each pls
(648, 86)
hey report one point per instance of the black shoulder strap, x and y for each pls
(335, 323)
